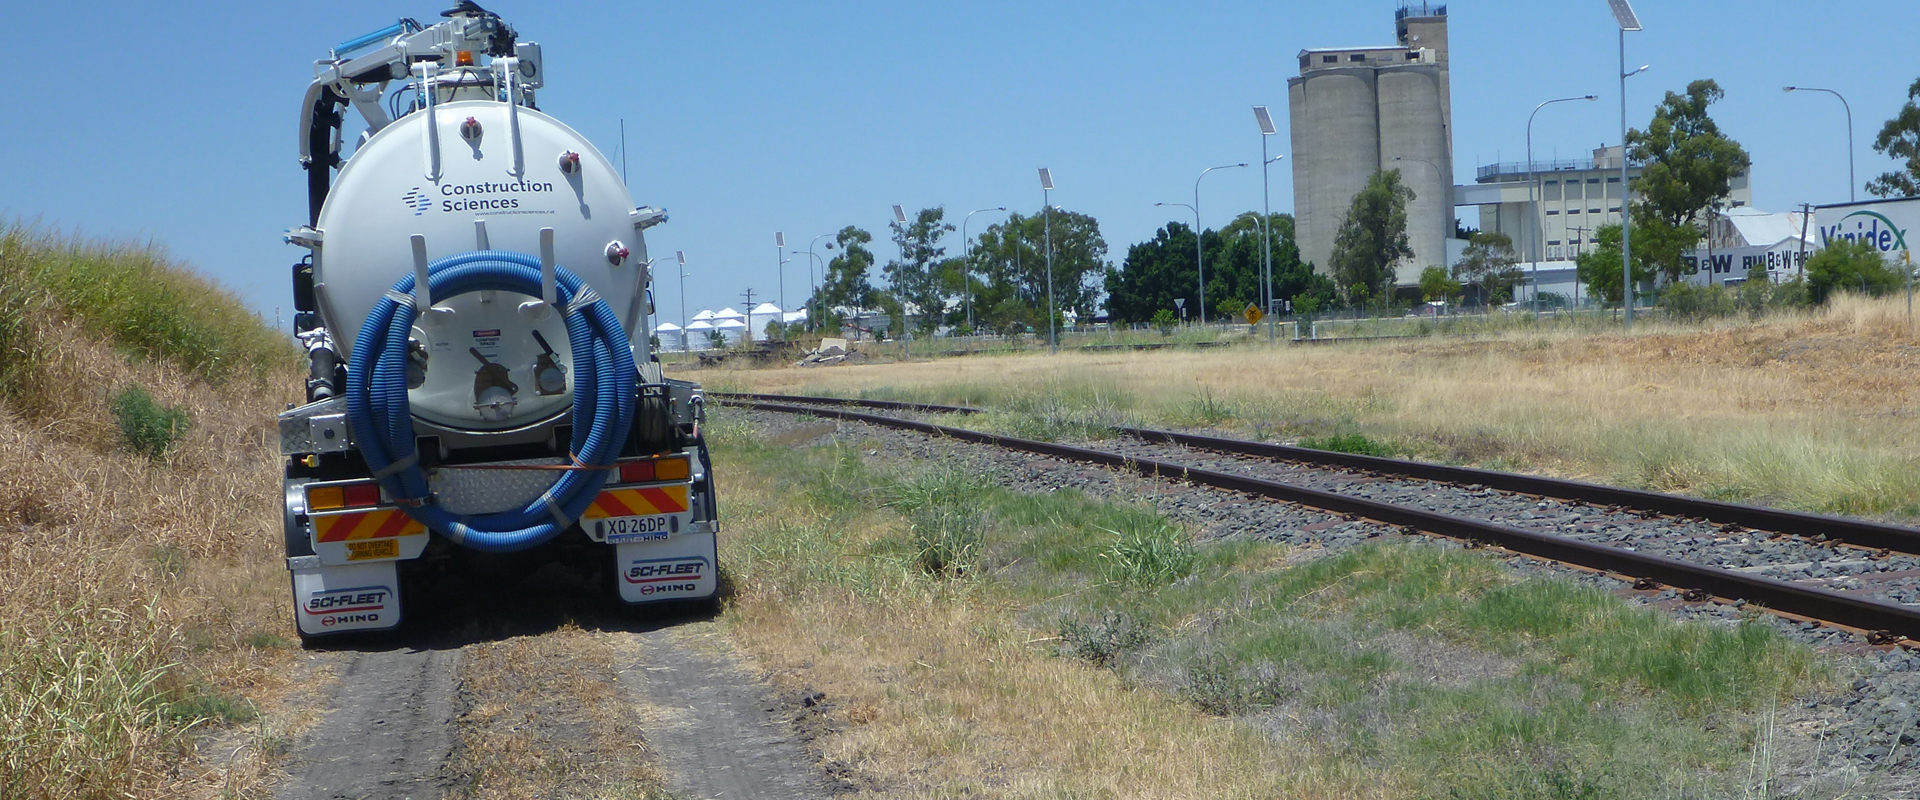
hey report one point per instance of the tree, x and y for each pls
(1899, 140)
(1372, 239)
(914, 277)
(1686, 164)
(1599, 268)
(1154, 273)
(1435, 284)
(1489, 263)
(1010, 267)
(1850, 265)
(845, 284)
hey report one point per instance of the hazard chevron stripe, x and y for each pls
(638, 501)
(377, 524)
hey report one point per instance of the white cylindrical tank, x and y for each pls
(698, 335)
(480, 198)
(1413, 128)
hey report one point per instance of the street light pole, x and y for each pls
(1533, 203)
(1623, 14)
(813, 288)
(780, 255)
(1851, 185)
(1198, 257)
(1196, 251)
(1046, 200)
(966, 261)
(1267, 129)
(906, 336)
(681, 256)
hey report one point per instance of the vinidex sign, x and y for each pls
(1882, 223)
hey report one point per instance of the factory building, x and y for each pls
(1358, 110)
(1569, 201)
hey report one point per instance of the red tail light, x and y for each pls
(636, 471)
(361, 495)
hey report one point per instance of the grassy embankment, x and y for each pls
(141, 597)
(974, 640)
(1812, 410)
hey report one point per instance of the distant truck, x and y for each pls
(482, 394)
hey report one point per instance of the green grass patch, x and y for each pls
(148, 428)
(133, 296)
(1350, 443)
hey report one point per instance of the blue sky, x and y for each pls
(175, 123)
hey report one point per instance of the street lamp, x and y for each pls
(681, 256)
(1046, 200)
(1198, 258)
(1843, 104)
(906, 344)
(813, 289)
(1267, 129)
(1534, 203)
(1196, 253)
(966, 260)
(1623, 14)
(780, 255)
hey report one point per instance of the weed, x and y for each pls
(1219, 685)
(946, 539)
(169, 559)
(263, 640)
(146, 427)
(1350, 443)
(1102, 643)
(1149, 555)
(203, 704)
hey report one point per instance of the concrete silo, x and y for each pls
(1358, 110)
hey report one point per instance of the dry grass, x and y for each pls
(1810, 411)
(141, 600)
(545, 719)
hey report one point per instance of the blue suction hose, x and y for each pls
(603, 399)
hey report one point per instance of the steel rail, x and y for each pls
(1836, 530)
(1776, 595)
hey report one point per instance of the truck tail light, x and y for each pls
(648, 470)
(339, 496)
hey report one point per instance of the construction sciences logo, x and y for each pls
(658, 575)
(489, 196)
(1871, 227)
(359, 605)
(417, 200)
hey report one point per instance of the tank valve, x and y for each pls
(616, 253)
(470, 130)
(569, 163)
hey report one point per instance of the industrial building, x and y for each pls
(1355, 111)
(1568, 201)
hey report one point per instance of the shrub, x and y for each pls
(1850, 266)
(1149, 556)
(1102, 643)
(146, 427)
(1350, 443)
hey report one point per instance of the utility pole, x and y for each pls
(1800, 261)
(748, 294)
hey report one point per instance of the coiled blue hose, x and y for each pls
(603, 399)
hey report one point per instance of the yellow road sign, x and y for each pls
(1252, 313)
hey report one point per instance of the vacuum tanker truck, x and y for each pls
(481, 390)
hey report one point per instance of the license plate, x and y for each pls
(626, 530)
(373, 548)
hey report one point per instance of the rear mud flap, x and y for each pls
(682, 567)
(351, 597)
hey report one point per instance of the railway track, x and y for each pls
(1707, 548)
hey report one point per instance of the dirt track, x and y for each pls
(580, 706)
